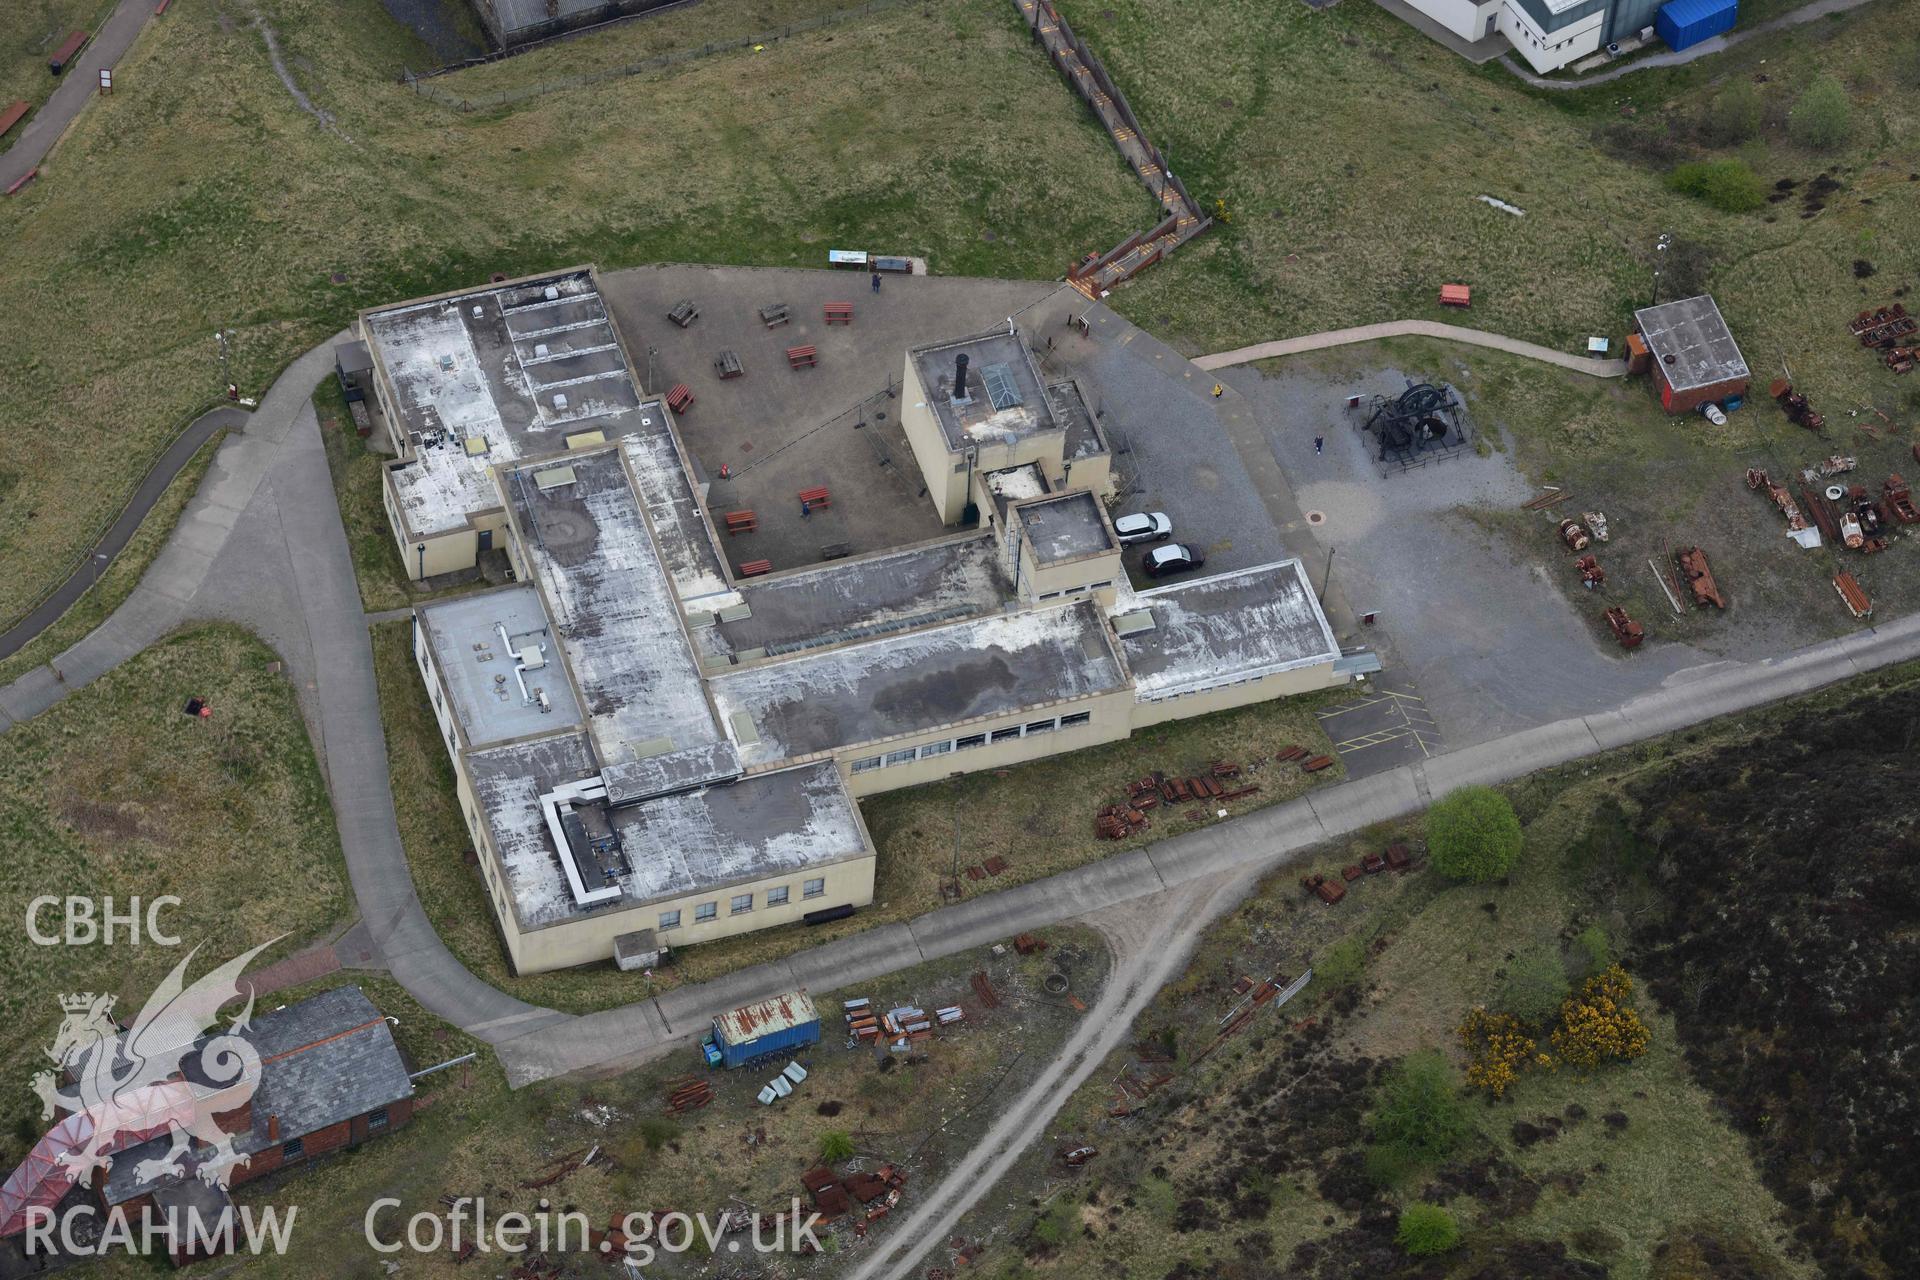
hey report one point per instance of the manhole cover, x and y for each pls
(1316, 517)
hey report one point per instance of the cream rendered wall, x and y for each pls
(1038, 580)
(1465, 18)
(590, 939)
(1549, 52)
(1281, 684)
(1111, 721)
(945, 486)
(1094, 473)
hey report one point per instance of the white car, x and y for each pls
(1149, 526)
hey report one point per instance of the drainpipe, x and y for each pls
(519, 667)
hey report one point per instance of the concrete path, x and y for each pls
(79, 83)
(1718, 44)
(261, 544)
(1412, 329)
(114, 541)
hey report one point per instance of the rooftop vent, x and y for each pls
(539, 351)
(559, 402)
(1000, 387)
(552, 293)
(477, 313)
(1133, 624)
(960, 395)
(553, 478)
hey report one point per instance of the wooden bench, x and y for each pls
(1456, 295)
(679, 399)
(754, 568)
(684, 312)
(839, 313)
(836, 551)
(819, 497)
(802, 357)
(774, 314)
(741, 522)
(11, 115)
(67, 52)
(727, 365)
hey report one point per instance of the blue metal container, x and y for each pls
(1685, 23)
(769, 1029)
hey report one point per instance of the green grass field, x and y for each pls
(30, 30)
(116, 792)
(190, 202)
(1361, 214)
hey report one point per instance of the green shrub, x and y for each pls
(658, 1131)
(1536, 984)
(1393, 1164)
(1341, 964)
(1823, 117)
(1427, 1229)
(835, 1144)
(1595, 948)
(1420, 1108)
(1728, 185)
(1473, 834)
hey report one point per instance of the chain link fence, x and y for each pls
(425, 84)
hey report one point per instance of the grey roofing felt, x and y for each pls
(920, 681)
(752, 829)
(635, 780)
(1065, 527)
(508, 782)
(495, 375)
(353, 357)
(519, 15)
(681, 533)
(979, 423)
(324, 1059)
(588, 546)
(1692, 332)
(1072, 412)
(478, 670)
(858, 599)
(1233, 626)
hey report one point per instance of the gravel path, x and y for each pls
(1412, 329)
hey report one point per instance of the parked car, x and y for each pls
(1143, 526)
(1173, 558)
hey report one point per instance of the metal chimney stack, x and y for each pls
(960, 377)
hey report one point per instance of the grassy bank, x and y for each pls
(115, 792)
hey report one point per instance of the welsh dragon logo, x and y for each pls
(162, 1075)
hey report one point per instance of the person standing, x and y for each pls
(1319, 443)
(876, 282)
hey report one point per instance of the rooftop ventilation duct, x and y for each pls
(960, 378)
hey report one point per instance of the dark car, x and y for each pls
(1175, 557)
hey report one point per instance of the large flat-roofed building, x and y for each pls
(651, 751)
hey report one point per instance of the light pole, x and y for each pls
(1660, 248)
(224, 337)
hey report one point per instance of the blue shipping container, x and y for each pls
(766, 1029)
(1685, 23)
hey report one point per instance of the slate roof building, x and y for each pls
(651, 751)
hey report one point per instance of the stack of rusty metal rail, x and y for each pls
(688, 1093)
(1890, 331)
(1182, 220)
(1853, 594)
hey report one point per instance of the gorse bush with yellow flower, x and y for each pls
(1597, 1025)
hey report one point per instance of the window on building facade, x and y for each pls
(1040, 726)
(1077, 718)
(777, 896)
(813, 888)
(741, 904)
(293, 1150)
(863, 766)
(377, 1118)
(900, 757)
(936, 749)
(971, 741)
(1001, 735)
(706, 911)
(669, 919)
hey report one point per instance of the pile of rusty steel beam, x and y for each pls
(1890, 331)
(1329, 891)
(1853, 594)
(1288, 753)
(1316, 763)
(982, 988)
(1118, 821)
(688, 1093)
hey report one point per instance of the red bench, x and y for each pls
(802, 357)
(817, 497)
(839, 313)
(679, 398)
(1456, 295)
(742, 522)
(30, 174)
(12, 116)
(754, 568)
(65, 53)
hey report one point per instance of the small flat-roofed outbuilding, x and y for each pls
(918, 682)
(1065, 527)
(1695, 357)
(1207, 633)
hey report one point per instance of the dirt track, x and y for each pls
(1151, 940)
